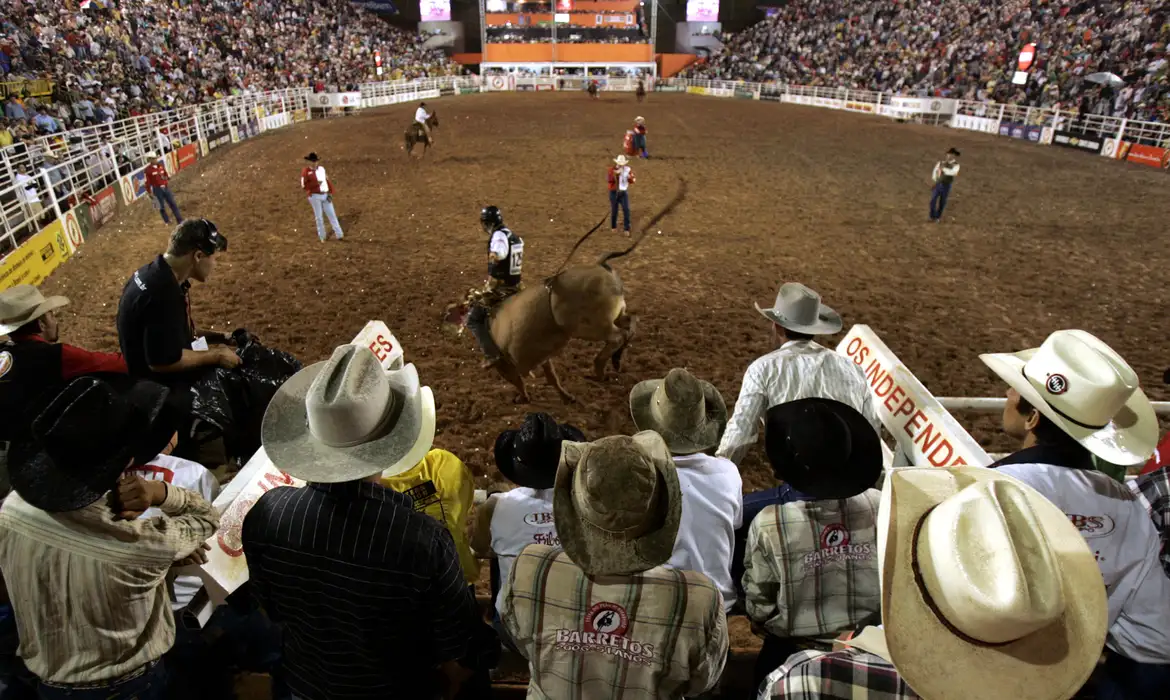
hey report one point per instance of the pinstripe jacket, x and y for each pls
(658, 634)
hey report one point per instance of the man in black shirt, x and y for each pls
(154, 324)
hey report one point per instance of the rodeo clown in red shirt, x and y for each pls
(320, 189)
(640, 138)
(158, 184)
(620, 177)
(34, 367)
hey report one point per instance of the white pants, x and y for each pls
(321, 202)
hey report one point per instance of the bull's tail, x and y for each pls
(678, 198)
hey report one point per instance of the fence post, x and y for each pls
(1121, 132)
(52, 195)
(999, 119)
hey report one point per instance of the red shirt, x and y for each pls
(640, 129)
(1161, 456)
(156, 175)
(311, 185)
(76, 362)
(612, 176)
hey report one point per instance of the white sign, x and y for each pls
(1019, 77)
(983, 124)
(923, 105)
(926, 433)
(321, 100)
(828, 102)
(378, 338)
(500, 82)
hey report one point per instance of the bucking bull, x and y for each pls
(583, 301)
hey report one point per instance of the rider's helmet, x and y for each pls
(491, 218)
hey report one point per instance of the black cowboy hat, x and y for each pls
(312, 157)
(822, 448)
(86, 437)
(530, 456)
(954, 150)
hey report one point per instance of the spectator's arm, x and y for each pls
(191, 520)
(194, 359)
(744, 424)
(761, 585)
(76, 362)
(707, 659)
(481, 536)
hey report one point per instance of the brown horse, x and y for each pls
(641, 91)
(414, 134)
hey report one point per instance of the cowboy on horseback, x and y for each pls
(505, 260)
(420, 118)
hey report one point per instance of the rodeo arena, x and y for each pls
(584, 349)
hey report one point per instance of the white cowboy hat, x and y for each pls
(988, 590)
(687, 412)
(24, 304)
(799, 309)
(1085, 388)
(617, 503)
(621, 160)
(347, 419)
(639, 120)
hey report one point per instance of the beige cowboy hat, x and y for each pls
(799, 309)
(988, 590)
(346, 419)
(617, 503)
(687, 412)
(639, 120)
(24, 304)
(621, 160)
(1084, 387)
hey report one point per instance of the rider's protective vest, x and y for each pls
(507, 269)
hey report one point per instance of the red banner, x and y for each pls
(1148, 155)
(103, 206)
(186, 155)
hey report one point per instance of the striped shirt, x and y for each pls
(800, 369)
(369, 592)
(658, 634)
(89, 591)
(811, 566)
(1153, 492)
(849, 674)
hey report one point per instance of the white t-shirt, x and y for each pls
(623, 177)
(420, 115)
(522, 516)
(499, 244)
(27, 191)
(712, 510)
(193, 477)
(1121, 535)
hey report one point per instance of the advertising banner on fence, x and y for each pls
(771, 95)
(695, 90)
(828, 102)
(186, 156)
(103, 206)
(446, 91)
(926, 433)
(982, 124)
(215, 139)
(133, 187)
(924, 105)
(1024, 132)
(742, 94)
(323, 100)
(1152, 156)
(276, 121)
(499, 82)
(854, 106)
(36, 258)
(74, 236)
(1091, 142)
(468, 90)
(300, 115)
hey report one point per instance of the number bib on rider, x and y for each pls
(516, 258)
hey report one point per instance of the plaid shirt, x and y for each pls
(811, 566)
(658, 634)
(1153, 492)
(849, 674)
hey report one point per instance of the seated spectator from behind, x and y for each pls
(603, 616)
(86, 576)
(6, 135)
(442, 486)
(811, 570)
(690, 415)
(1073, 398)
(510, 521)
(34, 367)
(391, 614)
(1152, 490)
(14, 109)
(988, 592)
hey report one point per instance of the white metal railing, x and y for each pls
(67, 167)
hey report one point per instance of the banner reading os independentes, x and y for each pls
(925, 431)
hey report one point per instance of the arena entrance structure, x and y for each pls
(610, 41)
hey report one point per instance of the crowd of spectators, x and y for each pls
(615, 560)
(126, 57)
(962, 48)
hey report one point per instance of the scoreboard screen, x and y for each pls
(702, 10)
(435, 10)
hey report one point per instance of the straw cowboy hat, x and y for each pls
(988, 590)
(1088, 390)
(799, 309)
(24, 304)
(687, 412)
(822, 448)
(621, 160)
(86, 437)
(531, 455)
(617, 503)
(639, 120)
(346, 419)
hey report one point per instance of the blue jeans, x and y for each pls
(16, 682)
(323, 203)
(640, 144)
(617, 197)
(1124, 679)
(938, 199)
(164, 197)
(151, 685)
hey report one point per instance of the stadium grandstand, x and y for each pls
(650, 541)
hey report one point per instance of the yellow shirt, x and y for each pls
(5, 137)
(442, 487)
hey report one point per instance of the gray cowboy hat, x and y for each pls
(799, 309)
(347, 419)
(24, 304)
(617, 503)
(687, 412)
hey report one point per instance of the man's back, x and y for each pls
(370, 593)
(657, 634)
